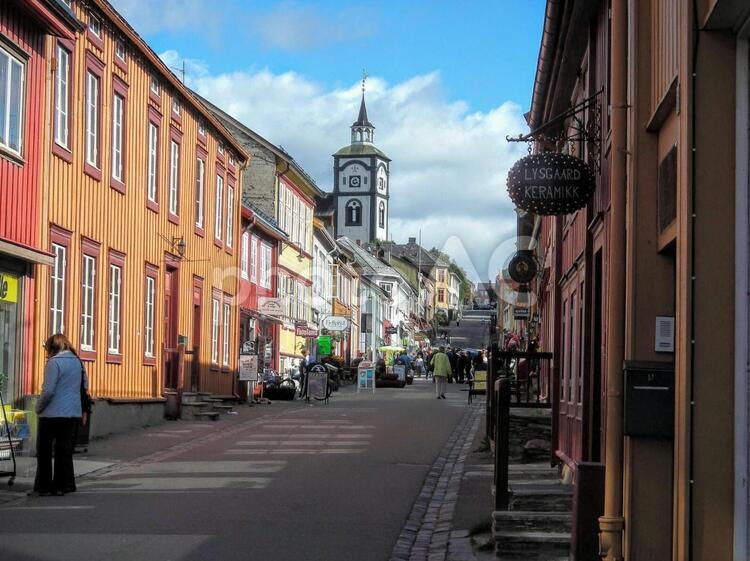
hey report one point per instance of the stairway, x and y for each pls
(205, 406)
(470, 332)
(537, 524)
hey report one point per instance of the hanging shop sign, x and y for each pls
(550, 184)
(306, 331)
(324, 346)
(520, 313)
(523, 267)
(391, 330)
(335, 323)
(271, 306)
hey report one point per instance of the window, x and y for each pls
(265, 265)
(176, 107)
(220, 148)
(244, 255)
(381, 215)
(11, 101)
(225, 336)
(230, 216)
(88, 293)
(441, 295)
(200, 174)
(201, 128)
(118, 114)
(354, 213)
(149, 314)
(154, 86)
(92, 120)
(441, 275)
(120, 51)
(153, 161)
(62, 97)
(174, 178)
(215, 331)
(57, 288)
(254, 260)
(115, 306)
(95, 25)
(217, 217)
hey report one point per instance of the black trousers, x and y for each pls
(58, 434)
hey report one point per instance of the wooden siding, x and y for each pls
(20, 179)
(664, 45)
(122, 222)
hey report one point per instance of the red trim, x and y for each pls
(219, 156)
(202, 137)
(66, 154)
(150, 271)
(121, 64)
(61, 237)
(120, 88)
(96, 67)
(98, 42)
(90, 248)
(118, 259)
(154, 117)
(174, 136)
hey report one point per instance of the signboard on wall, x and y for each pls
(271, 306)
(324, 346)
(335, 323)
(8, 288)
(248, 368)
(306, 332)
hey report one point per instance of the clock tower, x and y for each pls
(361, 184)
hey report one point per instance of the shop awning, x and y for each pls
(26, 253)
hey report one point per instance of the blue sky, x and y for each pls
(448, 81)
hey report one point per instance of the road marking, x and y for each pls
(176, 483)
(71, 507)
(233, 466)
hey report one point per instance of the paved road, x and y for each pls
(286, 482)
(472, 331)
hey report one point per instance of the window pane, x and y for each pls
(149, 324)
(174, 177)
(199, 178)
(230, 216)
(117, 115)
(61, 97)
(217, 218)
(15, 112)
(153, 146)
(92, 120)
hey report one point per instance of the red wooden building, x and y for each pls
(23, 28)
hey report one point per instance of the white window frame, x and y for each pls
(57, 288)
(245, 255)
(265, 265)
(115, 303)
(153, 161)
(14, 65)
(148, 328)
(118, 116)
(225, 333)
(176, 107)
(88, 302)
(120, 49)
(230, 216)
(219, 208)
(154, 86)
(62, 97)
(93, 86)
(95, 25)
(254, 260)
(200, 180)
(174, 178)
(215, 313)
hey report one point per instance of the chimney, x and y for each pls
(412, 240)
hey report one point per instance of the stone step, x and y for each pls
(212, 400)
(210, 415)
(520, 521)
(535, 496)
(197, 405)
(189, 397)
(531, 545)
(222, 408)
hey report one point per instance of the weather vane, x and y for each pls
(364, 78)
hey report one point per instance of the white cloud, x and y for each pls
(173, 16)
(449, 164)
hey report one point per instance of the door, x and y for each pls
(170, 327)
(195, 369)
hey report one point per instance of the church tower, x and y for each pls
(361, 184)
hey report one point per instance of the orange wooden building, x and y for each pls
(141, 212)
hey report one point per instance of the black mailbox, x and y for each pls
(649, 399)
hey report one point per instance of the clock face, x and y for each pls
(355, 181)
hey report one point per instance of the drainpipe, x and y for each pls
(611, 524)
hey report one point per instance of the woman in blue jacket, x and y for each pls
(59, 410)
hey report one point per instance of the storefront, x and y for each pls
(13, 335)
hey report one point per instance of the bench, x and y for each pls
(478, 384)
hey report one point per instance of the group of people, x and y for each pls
(448, 365)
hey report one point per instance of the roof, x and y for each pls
(190, 97)
(361, 150)
(325, 205)
(362, 120)
(263, 219)
(370, 264)
(418, 255)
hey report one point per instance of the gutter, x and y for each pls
(545, 61)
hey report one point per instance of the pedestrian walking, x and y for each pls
(441, 370)
(60, 411)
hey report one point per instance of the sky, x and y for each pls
(447, 81)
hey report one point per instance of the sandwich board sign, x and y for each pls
(366, 376)
(317, 383)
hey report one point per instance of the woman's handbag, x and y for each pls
(86, 401)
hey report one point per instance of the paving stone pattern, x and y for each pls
(427, 534)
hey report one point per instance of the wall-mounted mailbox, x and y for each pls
(649, 399)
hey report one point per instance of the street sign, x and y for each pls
(335, 323)
(317, 383)
(248, 368)
(270, 306)
(391, 330)
(324, 345)
(366, 376)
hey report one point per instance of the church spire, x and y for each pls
(363, 130)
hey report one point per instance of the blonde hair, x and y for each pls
(57, 343)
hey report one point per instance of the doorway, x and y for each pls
(171, 296)
(195, 363)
